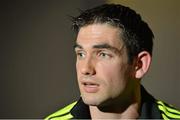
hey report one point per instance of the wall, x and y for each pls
(37, 57)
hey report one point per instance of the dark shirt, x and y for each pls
(149, 108)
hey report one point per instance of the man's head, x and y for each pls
(136, 34)
(114, 48)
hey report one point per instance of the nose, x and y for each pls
(88, 67)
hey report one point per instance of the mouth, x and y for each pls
(90, 87)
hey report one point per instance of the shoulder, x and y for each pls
(62, 114)
(167, 110)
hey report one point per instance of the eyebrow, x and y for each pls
(77, 46)
(101, 46)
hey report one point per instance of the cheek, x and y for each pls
(113, 75)
(78, 71)
(78, 67)
(109, 70)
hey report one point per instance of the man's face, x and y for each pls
(102, 65)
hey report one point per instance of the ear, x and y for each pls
(142, 64)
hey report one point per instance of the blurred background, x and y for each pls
(37, 74)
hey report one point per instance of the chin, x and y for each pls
(92, 101)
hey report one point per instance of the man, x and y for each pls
(114, 51)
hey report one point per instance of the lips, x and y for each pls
(90, 87)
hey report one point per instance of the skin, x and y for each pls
(106, 81)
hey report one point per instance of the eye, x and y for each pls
(104, 55)
(80, 54)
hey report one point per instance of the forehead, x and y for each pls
(99, 34)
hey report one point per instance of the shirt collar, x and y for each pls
(148, 108)
(80, 110)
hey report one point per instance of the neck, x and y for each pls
(128, 111)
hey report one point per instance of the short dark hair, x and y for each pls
(136, 34)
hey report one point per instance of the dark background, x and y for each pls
(37, 63)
